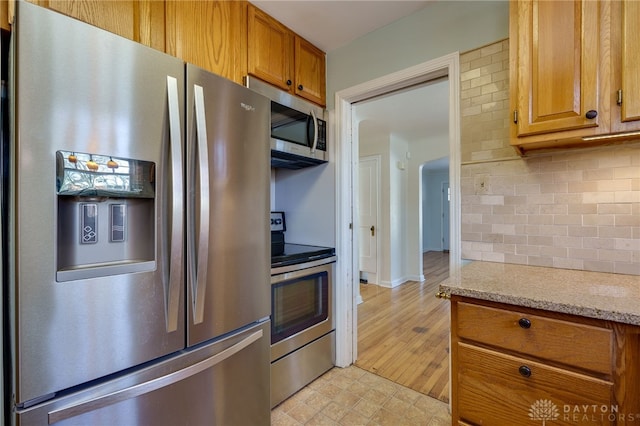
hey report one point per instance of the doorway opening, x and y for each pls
(347, 291)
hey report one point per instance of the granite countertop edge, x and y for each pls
(549, 289)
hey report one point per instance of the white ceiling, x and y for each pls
(330, 24)
(412, 114)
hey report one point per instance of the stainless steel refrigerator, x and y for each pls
(138, 256)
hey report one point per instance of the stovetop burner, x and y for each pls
(300, 253)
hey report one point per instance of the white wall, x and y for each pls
(307, 196)
(439, 29)
(397, 226)
(400, 228)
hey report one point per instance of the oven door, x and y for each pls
(301, 308)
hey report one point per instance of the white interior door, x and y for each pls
(369, 175)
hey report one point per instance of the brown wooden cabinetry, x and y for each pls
(4, 15)
(625, 66)
(282, 58)
(568, 61)
(138, 20)
(509, 363)
(209, 34)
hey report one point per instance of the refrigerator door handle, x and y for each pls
(200, 281)
(151, 385)
(174, 260)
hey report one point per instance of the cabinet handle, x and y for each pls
(524, 322)
(300, 87)
(289, 82)
(524, 371)
(592, 113)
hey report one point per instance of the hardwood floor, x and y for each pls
(403, 333)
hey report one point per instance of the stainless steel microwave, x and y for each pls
(298, 128)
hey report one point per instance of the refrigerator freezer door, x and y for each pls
(228, 175)
(225, 383)
(79, 89)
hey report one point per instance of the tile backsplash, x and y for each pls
(574, 209)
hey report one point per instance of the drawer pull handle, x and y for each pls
(524, 323)
(524, 371)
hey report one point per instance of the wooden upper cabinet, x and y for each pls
(555, 67)
(574, 72)
(270, 49)
(282, 58)
(625, 68)
(138, 20)
(310, 73)
(4, 15)
(209, 34)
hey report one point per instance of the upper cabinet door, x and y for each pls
(309, 71)
(270, 49)
(625, 65)
(138, 20)
(209, 34)
(558, 52)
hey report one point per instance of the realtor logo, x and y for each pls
(544, 410)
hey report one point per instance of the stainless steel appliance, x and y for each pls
(298, 128)
(124, 309)
(302, 316)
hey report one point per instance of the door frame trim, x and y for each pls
(346, 180)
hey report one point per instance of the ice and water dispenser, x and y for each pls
(106, 215)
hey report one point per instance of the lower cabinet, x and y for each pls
(513, 366)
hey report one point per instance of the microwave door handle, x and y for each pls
(173, 247)
(315, 132)
(200, 281)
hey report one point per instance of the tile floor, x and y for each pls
(352, 396)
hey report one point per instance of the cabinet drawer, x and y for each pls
(492, 391)
(573, 344)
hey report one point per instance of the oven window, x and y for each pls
(298, 304)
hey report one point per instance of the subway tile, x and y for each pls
(612, 255)
(615, 232)
(600, 220)
(627, 197)
(568, 241)
(515, 239)
(536, 240)
(598, 174)
(582, 231)
(568, 219)
(551, 209)
(614, 185)
(553, 230)
(565, 263)
(599, 266)
(627, 268)
(582, 253)
(515, 258)
(540, 261)
(618, 208)
(584, 208)
(598, 243)
(493, 257)
(627, 244)
(599, 197)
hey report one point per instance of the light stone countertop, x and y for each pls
(612, 297)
